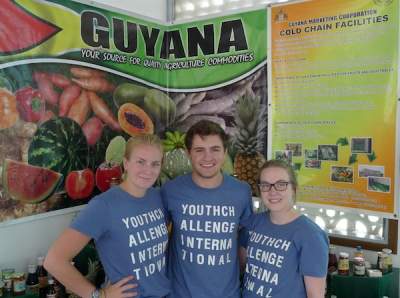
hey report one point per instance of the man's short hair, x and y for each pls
(205, 128)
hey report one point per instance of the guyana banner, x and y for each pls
(76, 81)
(334, 100)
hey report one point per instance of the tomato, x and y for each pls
(79, 184)
(104, 174)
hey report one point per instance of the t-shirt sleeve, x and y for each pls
(314, 254)
(248, 208)
(243, 237)
(91, 221)
(164, 199)
(244, 233)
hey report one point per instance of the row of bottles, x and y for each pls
(359, 265)
(37, 282)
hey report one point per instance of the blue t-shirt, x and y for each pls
(131, 238)
(279, 256)
(203, 259)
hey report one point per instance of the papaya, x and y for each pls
(134, 121)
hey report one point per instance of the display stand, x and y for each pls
(363, 286)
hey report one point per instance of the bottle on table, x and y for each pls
(19, 286)
(343, 264)
(359, 252)
(7, 274)
(332, 262)
(359, 266)
(51, 290)
(387, 260)
(379, 261)
(42, 276)
(32, 280)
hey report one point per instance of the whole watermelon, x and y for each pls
(60, 145)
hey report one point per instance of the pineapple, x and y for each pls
(251, 123)
(176, 161)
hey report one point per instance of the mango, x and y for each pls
(160, 107)
(129, 93)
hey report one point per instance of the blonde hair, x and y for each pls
(145, 139)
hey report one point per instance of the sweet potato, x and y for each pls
(59, 80)
(46, 87)
(102, 111)
(96, 84)
(92, 130)
(83, 72)
(67, 98)
(80, 108)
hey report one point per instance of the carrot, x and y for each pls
(95, 84)
(46, 87)
(67, 98)
(80, 108)
(83, 72)
(59, 80)
(102, 111)
(92, 130)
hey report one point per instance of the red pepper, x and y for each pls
(30, 104)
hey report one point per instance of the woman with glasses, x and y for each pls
(285, 254)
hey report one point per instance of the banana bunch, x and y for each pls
(174, 140)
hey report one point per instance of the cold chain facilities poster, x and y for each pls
(334, 100)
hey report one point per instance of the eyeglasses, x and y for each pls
(278, 186)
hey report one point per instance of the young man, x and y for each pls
(206, 208)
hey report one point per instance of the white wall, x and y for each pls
(23, 240)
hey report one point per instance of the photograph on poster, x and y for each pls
(361, 145)
(285, 155)
(312, 163)
(379, 184)
(328, 152)
(365, 171)
(295, 148)
(342, 174)
(311, 154)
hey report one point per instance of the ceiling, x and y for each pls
(187, 9)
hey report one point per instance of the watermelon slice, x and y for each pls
(29, 184)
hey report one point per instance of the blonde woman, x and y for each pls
(286, 253)
(128, 226)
